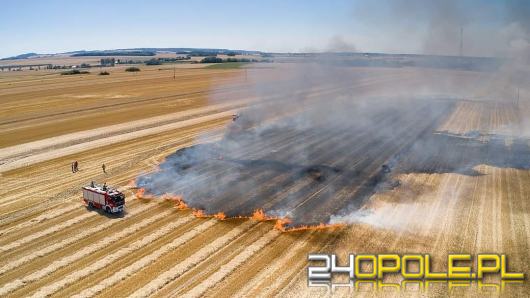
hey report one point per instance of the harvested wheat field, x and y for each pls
(319, 159)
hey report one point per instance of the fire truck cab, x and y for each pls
(103, 197)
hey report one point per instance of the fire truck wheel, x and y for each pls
(107, 209)
(90, 206)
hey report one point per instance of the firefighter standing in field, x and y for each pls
(104, 168)
(75, 166)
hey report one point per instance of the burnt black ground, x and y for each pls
(310, 172)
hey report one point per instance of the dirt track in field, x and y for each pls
(51, 245)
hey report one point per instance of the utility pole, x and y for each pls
(461, 41)
(174, 72)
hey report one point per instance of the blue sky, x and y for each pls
(400, 26)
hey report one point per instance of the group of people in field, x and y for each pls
(75, 167)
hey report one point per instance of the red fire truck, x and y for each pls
(103, 197)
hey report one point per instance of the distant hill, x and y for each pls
(204, 50)
(144, 52)
(113, 53)
(153, 51)
(21, 56)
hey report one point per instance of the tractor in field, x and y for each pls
(103, 197)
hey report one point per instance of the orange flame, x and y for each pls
(199, 213)
(140, 193)
(177, 200)
(181, 205)
(220, 215)
(259, 215)
(281, 226)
